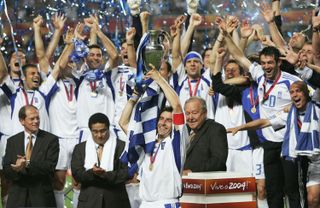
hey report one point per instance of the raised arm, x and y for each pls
(130, 35)
(252, 125)
(106, 42)
(93, 32)
(316, 38)
(169, 92)
(144, 18)
(58, 23)
(268, 15)
(195, 21)
(127, 111)
(39, 46)
(175, 31)
(216, 68)
(236, 52)
(3, 66)
(64, 57)
(245, 32)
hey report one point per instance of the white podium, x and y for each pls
(218, 190)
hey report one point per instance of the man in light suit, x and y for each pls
(208, 148)
(95, 164)
(29, 162)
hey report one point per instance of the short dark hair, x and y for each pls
(22, 112)
(18, 50)
(98, 118)
(232, 61)
(122, 41)
(270, 51)
(303, 87)
(26, 66)
(205, 50)
(166, 109)
(169, 67)
(94, 46)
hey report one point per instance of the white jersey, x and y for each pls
(187, 88)
(91, 101)
(231, 117)
(5, 110)
(278, 99)
(164, 181)
(119, 76)
(5, 124)
(38, 98)
(62, 110)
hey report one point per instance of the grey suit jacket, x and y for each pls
(107, 190)
(33, 184)
(208, 151)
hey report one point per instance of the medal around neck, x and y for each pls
(94, 94)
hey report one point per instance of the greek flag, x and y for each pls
(307, 141)
(142, 127)
(140, 63)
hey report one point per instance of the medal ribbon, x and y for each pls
(69, 93)
(25, 95)
(253, 101)
(195, 89)
(121, 83)
(93, 86)
(266, 94)
(153, 156)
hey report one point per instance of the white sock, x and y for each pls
(262, 203)
(59, 196)
(75, 197)
(4, 201)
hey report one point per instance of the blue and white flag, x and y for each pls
(142, 127)
(140, 63)
(307, 140)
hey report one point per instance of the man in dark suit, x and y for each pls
(208, 148)
(29, 162)
(95, 164)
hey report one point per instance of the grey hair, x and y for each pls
(199, 99)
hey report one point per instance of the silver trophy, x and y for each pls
(154, 51)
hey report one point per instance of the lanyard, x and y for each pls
(68, 93)
(253, 101)
(266, 94)
(25, 95)
(153, 157)
(121, 84)
(93, 86)
(193, 93)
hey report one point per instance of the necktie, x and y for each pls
(99, 154)
(29, 148)
(192, 136)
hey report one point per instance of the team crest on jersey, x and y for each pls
(35, 99)
(279, 94)
(162, 144)
(101, 84)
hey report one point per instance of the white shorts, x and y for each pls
(313, 176)
(3, 144)
(257, 163)
(65, 153)
(239, 161)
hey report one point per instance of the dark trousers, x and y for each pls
(281, 177)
